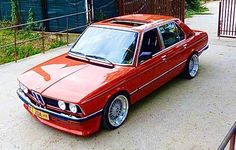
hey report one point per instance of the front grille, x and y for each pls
(30, 92)
(38, 97)
(50, 102)
(31, 99)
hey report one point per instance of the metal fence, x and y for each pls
(230, 137)
(174, 8)
(39, 29)
(44, 9)
(94, 10)
(227, 19)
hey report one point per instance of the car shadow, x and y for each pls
(146, 102)
(137, 107)
(163, 90)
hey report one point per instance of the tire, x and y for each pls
(192, 67)
(115, 112)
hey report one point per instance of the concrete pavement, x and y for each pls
(184, 114)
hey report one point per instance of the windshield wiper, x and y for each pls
(81, 54)
(92, 56)
(101, 58)
(78, 53)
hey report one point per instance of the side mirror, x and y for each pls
(145, 56)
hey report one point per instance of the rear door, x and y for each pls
(176, 47)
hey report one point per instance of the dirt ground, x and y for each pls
(184, 114)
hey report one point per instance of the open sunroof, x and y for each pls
(128, 23)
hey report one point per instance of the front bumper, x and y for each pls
(80, 126)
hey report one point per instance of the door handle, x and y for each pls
(163, 57)
(185, 46)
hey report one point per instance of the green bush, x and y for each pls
(8, 54)
(193, 5)
(15, 18)
(27, 50)
(57, 43)
(30, 25)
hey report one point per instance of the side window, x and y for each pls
(181, 33)
(171, 34)
(150, 42)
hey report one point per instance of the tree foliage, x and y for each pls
(30, 20)
(194, 5)
(14, 12)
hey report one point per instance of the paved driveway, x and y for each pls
(184, 114)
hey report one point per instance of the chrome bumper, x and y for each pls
(27, 101)
(204, 49)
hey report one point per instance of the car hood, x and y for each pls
(69, 79)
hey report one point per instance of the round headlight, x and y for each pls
(73, 108)
(62, 105)
(24, 88)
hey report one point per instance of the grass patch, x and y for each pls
(8, 54)
(26, 49)
(57, 43)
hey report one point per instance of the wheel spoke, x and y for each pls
(118, 110)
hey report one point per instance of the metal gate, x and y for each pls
(227, 19)
(174, 8)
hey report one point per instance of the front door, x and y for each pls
(151, 68)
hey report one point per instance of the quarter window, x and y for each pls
(171, 34)
(150, 42)
(150, 45)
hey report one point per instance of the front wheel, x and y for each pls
(192, 67)
(115, 112)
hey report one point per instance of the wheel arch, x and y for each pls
(118, 92)
(193, 52)
(104, 122)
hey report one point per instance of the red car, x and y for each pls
(113, 64)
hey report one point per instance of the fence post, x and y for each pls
(92, 10)
(121, 5)
(182, 12)
(43, 40)
(67, 30)
(15, 51)
(219, 20)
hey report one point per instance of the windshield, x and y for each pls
(115, 46)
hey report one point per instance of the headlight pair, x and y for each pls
(72, 107)
(62, 105)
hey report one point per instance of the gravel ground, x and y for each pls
(184, 114)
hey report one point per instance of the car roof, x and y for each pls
(134, 22)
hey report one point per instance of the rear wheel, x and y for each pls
(192, 67)
(115, 112)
